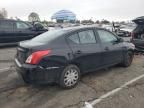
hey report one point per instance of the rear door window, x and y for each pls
(6, 25)
(87, 37)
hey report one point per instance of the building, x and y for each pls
(64, 16)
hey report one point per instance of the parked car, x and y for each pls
(109, 27)
(63, 55)
(125, 33)
(12, 31)
(54, 27)
(138, 34)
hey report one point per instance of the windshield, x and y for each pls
(48, 36)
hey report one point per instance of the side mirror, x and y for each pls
(38, 26)
(120, 40)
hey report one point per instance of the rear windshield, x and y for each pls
(139, 29)
(48, 36)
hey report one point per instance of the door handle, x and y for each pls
(78, 52)
(106, 48)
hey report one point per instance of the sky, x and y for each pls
(113, 10)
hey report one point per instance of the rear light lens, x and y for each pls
(35, 57)
(132, 35)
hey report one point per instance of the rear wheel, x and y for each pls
(70, 76)
(128, 59)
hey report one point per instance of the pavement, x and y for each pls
(14, 93)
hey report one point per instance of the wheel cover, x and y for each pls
(71, 77)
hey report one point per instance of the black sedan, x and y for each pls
(13, 31)
(62, 56)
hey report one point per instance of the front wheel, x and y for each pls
(128, 58)
(70, 76)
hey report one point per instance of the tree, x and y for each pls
(122, 22)
(1, 16)
(3, 13)
(87, 22)
(33, 17)
(105, 21)
(77, 21)
(97, 22)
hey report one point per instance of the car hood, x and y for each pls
(127, 29)
(139, 20)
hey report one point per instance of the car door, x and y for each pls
(86, 50)
(23, 31)
(112, 52)
(6, 31)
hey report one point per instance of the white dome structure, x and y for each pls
(64, 15)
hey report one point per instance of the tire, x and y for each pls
(128, 58)
(70, 77)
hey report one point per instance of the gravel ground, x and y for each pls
(14, 93)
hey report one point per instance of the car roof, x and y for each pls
(10, 20)
(80, 27)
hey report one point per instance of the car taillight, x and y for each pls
(35, 57)
(132, 36)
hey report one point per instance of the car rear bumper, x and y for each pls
(37, 75)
